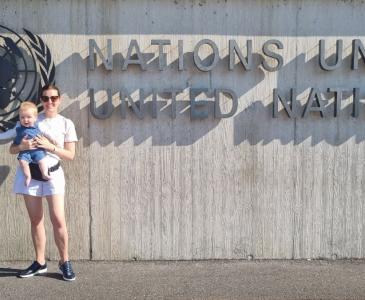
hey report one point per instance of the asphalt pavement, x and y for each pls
(211, 279)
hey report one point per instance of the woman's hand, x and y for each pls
(25, 144)
(67, 152)
(44, 143)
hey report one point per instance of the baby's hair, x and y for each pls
(27, 105)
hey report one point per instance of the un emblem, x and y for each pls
(26, 65)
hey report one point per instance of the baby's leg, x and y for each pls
(44, 169)
(24, 165)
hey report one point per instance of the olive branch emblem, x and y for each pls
(46, 65)
(16, 68)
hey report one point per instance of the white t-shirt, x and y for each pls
(59, 130)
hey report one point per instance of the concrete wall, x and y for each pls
(201, 189)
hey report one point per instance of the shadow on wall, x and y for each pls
(4, 172)
(253, 124)
(163, 130)
(333, 131)
(330, 129)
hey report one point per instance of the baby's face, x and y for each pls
(27, 118)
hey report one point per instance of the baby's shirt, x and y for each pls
(29, 132)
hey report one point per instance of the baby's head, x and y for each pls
(28, 113)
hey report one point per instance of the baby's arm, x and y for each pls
(25, 144)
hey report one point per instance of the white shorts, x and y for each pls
(55, 186)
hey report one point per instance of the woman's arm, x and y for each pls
(24, 145)
(67, 153)
(14, 149)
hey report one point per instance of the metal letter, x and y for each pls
(233, 48)
(139, 61)
(194, 114)
(217, 110)
(123, 105)
(357, 47)
(198, 61)
(338, 92)
(356, 101)
(106, 107)
(108, 62)
(315, 94)
(161, 55)
(288, 108)
(322, 54)
(139, 111)
(269, 53)
(180, 45)
(154, 104)
(173, 100)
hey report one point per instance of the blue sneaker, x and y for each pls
(34, 269)
(67, 272)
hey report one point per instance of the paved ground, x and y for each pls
(191, 280)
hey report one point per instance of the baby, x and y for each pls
(28, 114)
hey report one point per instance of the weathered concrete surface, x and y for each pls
(192, 280)
(211, 189)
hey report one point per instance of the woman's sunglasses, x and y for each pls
(52, 98)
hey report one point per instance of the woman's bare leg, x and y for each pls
(35, 211)
(56, 205)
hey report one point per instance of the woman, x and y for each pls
(58, 139)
